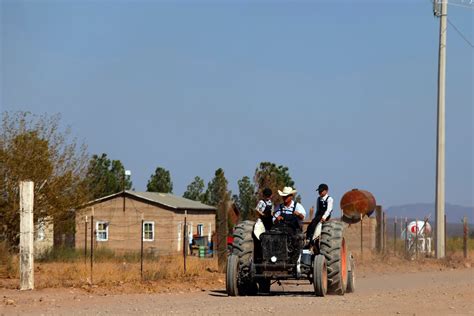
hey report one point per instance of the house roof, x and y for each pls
(165, 199)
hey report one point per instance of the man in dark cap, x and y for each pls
(324, 209)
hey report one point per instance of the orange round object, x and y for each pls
(357, 203)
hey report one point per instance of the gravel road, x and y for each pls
(421, 293)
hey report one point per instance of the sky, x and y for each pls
(341, 92)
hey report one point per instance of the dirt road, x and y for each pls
(422, 293)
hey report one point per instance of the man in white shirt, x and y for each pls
(291, 212)
(265, 209)
(324, 209)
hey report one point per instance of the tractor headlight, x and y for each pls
(273, 259)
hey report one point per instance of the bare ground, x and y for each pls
(393, 290)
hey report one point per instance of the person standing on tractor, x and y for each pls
(325, 205)
(291, 212)
(265, 209)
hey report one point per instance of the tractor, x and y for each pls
(259, 260)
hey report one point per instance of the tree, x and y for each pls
(246, 200)
(269, 175)
(217, 189)
(195, 190)
(36, 148)
(106, 177)
(160, 181)
(218, 195)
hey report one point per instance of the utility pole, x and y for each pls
(441, 133)
(27, 281)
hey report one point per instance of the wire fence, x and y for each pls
(98, 244)
(402, 237)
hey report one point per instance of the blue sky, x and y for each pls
(341, 92)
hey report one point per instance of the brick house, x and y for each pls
(118, 222)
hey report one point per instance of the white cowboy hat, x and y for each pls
(287, 191)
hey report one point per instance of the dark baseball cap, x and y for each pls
(267, 192)
(322, 187)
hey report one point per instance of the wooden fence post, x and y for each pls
(395, 237)
(27, 281)
(465, 233)
(406, 236)
(378, 229)
(384, 232)
(416, 238)
(141, 249)
(92, 245)
(85, 242)
(445, 235)
(185, 239)
(361, 237)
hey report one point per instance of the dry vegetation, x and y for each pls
(121, 273)
(8, 263)
(389, 263)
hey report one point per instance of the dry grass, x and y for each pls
(8, 263)
(163, 273)
(383, 264)
(121, 274)
(455, 244)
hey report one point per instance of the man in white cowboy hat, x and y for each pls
(289, 211)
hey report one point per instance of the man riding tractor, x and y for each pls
(260, 257)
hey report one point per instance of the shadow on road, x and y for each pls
(291, 293)
(218, 293)
(223, 293)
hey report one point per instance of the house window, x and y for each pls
(102, 231)
(148, 231)
(200, 230)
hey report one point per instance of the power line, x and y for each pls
(460, 33)
(452, 24)
(462, 5)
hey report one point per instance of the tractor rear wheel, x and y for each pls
(320, 276)
(333, 247)
(243, 248)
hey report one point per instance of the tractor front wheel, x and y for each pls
(232, 275)
(320, 276)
